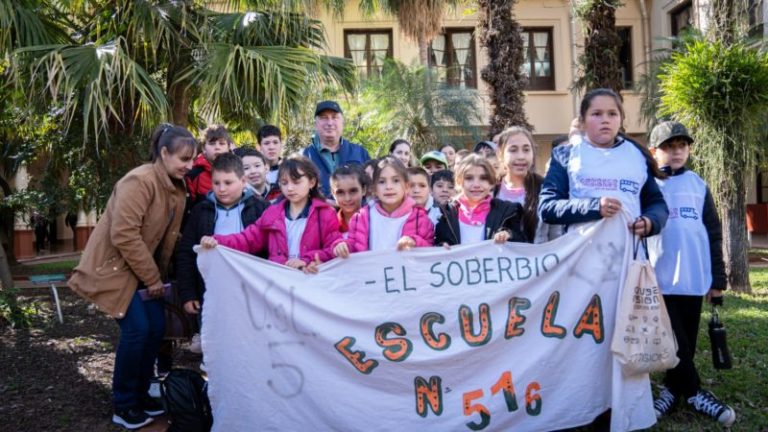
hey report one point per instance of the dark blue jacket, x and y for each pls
(348, 153)
(557, 207)
(202, 222)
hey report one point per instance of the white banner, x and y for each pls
(493, 337)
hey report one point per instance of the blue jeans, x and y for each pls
(141, 333)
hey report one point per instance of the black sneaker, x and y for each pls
(131, 418)
(665, 403)
(152, 407)
(706, 403)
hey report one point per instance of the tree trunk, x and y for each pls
(723, 21)
(6, 284)
(5, 271)
(6, 278)
(735, 243)
(500, 35)
(423, 51)
(179, 95)
(600, 63)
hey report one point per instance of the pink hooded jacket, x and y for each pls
(417, 226)
(269, 232)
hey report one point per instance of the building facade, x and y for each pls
(553, 43)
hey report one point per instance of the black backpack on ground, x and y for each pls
(185, 396)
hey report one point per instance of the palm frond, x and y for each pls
(265, 81)
(155, 27)
(309, 6)
(101, 83)
(266, 28)
(26, 23)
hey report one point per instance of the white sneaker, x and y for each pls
(195, 345)
(706, 403)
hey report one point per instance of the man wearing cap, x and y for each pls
(328, 149)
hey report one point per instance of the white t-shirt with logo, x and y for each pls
(617, 172)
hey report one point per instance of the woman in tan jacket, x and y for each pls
(129, 251)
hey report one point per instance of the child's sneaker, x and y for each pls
(154, 387)
(665, 403)
(195, 345)
(131, 418)
(706, 403)
(152, 407)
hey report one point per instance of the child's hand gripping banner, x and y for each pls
(481, 337)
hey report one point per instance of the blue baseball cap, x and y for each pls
(326, 106)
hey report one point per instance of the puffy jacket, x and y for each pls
(269, 232)
(348, 153)
(133, 241)
(199, 179)
(504, 216)
(417, 226)
(202, 222)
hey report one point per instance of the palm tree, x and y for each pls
(500, 34)
(133, 63)
(115, 68)
(600, 65)
(420, 20)
(402, 103)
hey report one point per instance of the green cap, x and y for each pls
(435, 156)
(664, 132)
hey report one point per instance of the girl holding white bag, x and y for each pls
(601, 174)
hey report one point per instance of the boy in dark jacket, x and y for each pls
(228, 208)
(688, 260)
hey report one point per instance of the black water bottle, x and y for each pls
(721, 357)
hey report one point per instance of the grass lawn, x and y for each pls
(745, 387)
(44, 268)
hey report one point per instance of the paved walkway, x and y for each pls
(63, 250)
(759, 241)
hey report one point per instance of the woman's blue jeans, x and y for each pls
(141, 333)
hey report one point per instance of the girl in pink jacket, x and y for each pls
(300, 231)
(393, 221)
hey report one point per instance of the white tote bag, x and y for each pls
(643, 340)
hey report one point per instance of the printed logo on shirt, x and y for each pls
(630, 186)
(683, 212)
(688, 213)
(599, 183)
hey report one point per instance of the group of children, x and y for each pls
(262, 204)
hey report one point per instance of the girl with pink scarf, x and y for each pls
(474, 215)
(393, 222)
